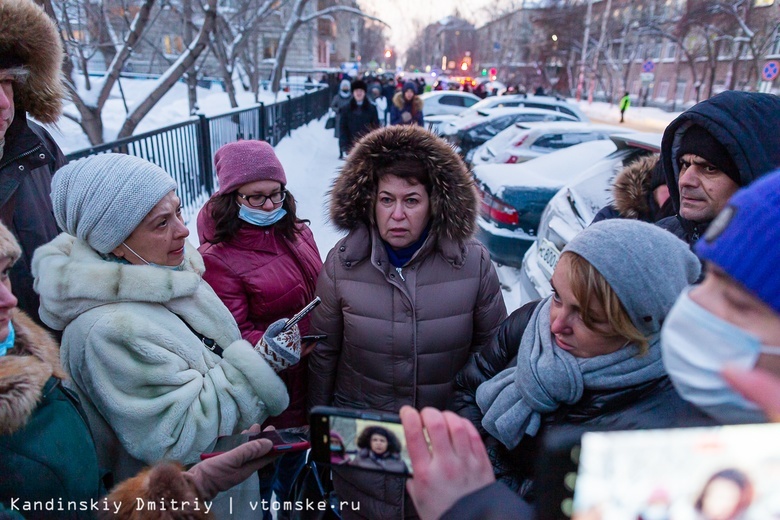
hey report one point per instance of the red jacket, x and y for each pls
(262, 277)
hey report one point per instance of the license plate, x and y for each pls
(549, 255)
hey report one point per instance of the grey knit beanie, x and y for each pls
(646, 266)
(101, 199)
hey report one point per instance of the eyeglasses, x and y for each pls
(257, 201)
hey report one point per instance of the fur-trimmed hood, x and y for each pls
(60, 265)
(399, 101)
(632, 187)
(28, 33)
(453, 197)
(24, 371)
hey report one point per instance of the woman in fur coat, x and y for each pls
(406, 295)
(46, 450)
(154, 355)
(407, 107)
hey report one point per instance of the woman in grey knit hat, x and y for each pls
(155, 356)
(588, 354)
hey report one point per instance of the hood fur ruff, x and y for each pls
(632, 186)
(398, 101)
(28, 32)
(453, 198)
(24, 372)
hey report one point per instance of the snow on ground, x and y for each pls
(309, 155)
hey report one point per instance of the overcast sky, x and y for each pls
(405, 16)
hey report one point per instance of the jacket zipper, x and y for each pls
(21, 156)
(400, 273)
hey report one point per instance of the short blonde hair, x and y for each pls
(590, 288)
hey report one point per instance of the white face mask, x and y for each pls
(696, 346)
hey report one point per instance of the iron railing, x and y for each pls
(186, 150)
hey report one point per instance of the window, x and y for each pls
(776, 44)
(269, 47)
(663, 90)
(455, 101)
(173, 45)
(469, 101)
(671, 51)
(680, 93)
(559, 141)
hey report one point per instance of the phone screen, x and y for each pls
(291, 439)
(366, 440)
(718, 472)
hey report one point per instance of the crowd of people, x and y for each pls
(125, 352)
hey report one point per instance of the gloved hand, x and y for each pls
(229, 469)
(280, 349)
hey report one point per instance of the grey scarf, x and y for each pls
(547, 376)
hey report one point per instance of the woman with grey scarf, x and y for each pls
(587, 355)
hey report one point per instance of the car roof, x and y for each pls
(574, 126)
(488, 114)
(435, 93)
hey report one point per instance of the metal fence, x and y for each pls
(186, 150)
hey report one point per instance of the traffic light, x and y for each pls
(484, 72)
(493, 71)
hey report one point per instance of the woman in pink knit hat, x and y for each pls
(262, 261)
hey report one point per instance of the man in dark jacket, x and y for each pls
(713, 149)
(30, 59)
(357, 118)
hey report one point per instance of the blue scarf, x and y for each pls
(401, 257)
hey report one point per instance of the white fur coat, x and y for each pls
(150, 388)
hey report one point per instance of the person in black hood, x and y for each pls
(713, 149)
(358, 117)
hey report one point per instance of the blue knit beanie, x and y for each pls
(744, 239)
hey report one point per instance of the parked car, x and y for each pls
(470, 132)
(573, 208)
(438, 123)
(514, 196)
(524, 141)
(447, 102)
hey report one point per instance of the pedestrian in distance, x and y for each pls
(357, 118)
(155, 357)
(625, 102)
(407, 107)
(30, 83)
(407, 295)
(263, 263)
(380, 102)
(339, 101)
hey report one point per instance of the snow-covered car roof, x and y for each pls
(437, 93)
(549, 171)
(488, 114)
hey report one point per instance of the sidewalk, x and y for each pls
(641, 119)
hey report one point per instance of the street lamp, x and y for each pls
(555, 37)
(388, 53)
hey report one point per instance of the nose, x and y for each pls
(398, 212)
(689, 177)
(7, 298)
(559, 322)
(181, 230)
(268, 205)
(6, 100)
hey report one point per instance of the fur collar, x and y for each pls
(399, 102)
(632, 187)
(24, 371)
(454, 197)
(27, 31)
(72, 278)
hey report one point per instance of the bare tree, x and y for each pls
(294, 22)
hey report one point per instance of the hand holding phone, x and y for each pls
(283, 441)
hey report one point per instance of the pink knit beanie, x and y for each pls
(247, 161)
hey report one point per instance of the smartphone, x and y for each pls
(302, 313)
(314, 337)
(712, 472)
(372, 441)
(287, 440)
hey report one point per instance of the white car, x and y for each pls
(524, 141)
(437, 123)
(573, 208)
(447, 102)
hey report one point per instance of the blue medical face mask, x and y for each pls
(8, 343)
(696, 346)
(258, 217)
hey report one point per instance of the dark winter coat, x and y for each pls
(46, 450)
(356, 121)
(29, 161)
(633, 194)
(404, 112)
(654, 404)
(262, 277)
(745, 123)
(397, 338)
(493, 502)
(338, 103)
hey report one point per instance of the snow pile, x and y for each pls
(647, 118)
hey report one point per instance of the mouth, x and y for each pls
(562, 344)
(177, 251)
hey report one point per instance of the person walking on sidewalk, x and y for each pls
(625, 102)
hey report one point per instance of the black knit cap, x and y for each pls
(359, 84)
(698, 141)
